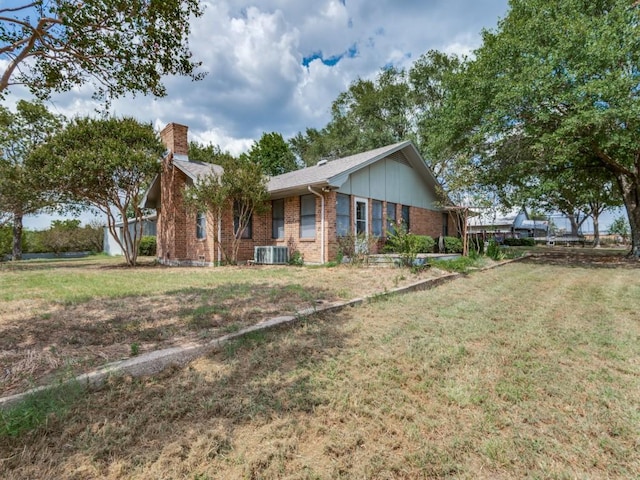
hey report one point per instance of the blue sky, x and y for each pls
(276, 65)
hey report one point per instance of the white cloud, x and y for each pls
(253, 53)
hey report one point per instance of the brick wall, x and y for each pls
(174, 137)
(177, 242)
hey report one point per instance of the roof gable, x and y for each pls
(336, 172)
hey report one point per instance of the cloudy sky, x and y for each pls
(277, 65)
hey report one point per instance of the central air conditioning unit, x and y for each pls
(271, 255)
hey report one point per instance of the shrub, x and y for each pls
(6, 240)
(452, 245)
(296, 259)
(493, 250)
(476, 244)
(147, 246)
(460, 265)
(357, 256)
(404, 243)
(520, 242)
(424, 243)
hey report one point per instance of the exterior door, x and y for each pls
(361, 227)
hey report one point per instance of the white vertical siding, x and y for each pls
(391, 181)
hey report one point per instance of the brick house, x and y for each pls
(310, 208)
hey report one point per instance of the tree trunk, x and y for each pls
(17, 237)
(574, 224)
(630, 188)
(596, 229)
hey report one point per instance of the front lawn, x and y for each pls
(61, 318)
(530, 370)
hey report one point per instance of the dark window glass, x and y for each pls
(277, 215)
(405, 217)
(376, 218)
(201, 226)
(343, 215)
(391, 217)
(248, 231)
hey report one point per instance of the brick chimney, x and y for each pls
(174, 137)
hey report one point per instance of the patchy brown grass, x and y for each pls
(526, 371)
(59, 319)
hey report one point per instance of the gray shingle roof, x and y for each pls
(324, 174)
(332, 174)
(195, 170)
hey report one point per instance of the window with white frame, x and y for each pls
(307, 216)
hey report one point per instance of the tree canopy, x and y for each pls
(241, 188)
(118, 46)
(555, 86)
(104, 164)
(20, 193)
(272, 154)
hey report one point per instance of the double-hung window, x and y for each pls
(248, 230)
(343, 215)
(391, 217)
(277, 219)
(376, 218)
(405, 217)
(201, 226)
(307, 216)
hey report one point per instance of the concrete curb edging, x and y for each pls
(154, 362)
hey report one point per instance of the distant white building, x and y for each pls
(111, 246)
(514, 224)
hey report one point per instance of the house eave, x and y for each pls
(297, 190)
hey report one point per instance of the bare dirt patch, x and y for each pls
(43, 340)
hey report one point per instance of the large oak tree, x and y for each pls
(118, 46)
(555, 86)
(21, 132)
(104, 164)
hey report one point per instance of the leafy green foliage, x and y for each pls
(296, 259)
(460, 265)
(520, 242)
(118, 47)
(404, 243)
(242, 187)
(147, 246)
(452, 245)
(555, 108)
(6, 240)
(493, 250)
(476, 245)
(209, 154)
(37, 409)
(272, 154)
(620, 226)
(104, 164)
(69, 236)
(20, 194)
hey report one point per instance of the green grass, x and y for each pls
(523, 371)
(460, 264)
(38, 409)
(67, 282)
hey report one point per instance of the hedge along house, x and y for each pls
(311, 208)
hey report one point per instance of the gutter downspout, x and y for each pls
(317, 194)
